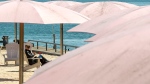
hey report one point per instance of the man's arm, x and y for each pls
(29, 54)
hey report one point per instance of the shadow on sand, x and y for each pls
(10, 65)
(18, 71)
(6, 79)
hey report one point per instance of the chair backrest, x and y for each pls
(25, 57)
(12, 50)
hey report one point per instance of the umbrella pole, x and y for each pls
(61, 39)
(21, 53)
(15, 28)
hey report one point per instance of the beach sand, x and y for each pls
(10, 74)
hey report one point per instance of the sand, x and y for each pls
(10, 74)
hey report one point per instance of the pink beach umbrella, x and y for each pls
(66, 4)
(101, 8)
(35, 12)
(118, 24)
(101, 26)
(122, 29)
(95, 9)
(79, 7)
(123, 60)
(92, 26)
(53, 10)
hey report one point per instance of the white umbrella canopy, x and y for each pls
(117, 25)
(101, 8)
(104, 24)
(35, 12)
(122, 29)
(116, 61)
(66, 4)
(79, 7)
(93, 25)
(95, 9)
(47, 14)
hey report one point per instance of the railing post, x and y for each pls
(55, 48)
(37, 45)
(33, 44)
(65, 48)
(46, 46)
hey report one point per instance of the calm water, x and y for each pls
(44, 32)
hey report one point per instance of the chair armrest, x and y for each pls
(34, 58)
(4, 55)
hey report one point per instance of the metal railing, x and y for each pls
(55, 45)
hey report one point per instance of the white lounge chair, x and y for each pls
(27, 66)
(12, 54)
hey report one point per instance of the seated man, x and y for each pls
(32, 55)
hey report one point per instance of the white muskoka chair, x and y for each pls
(12, 54)
(27, 66)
